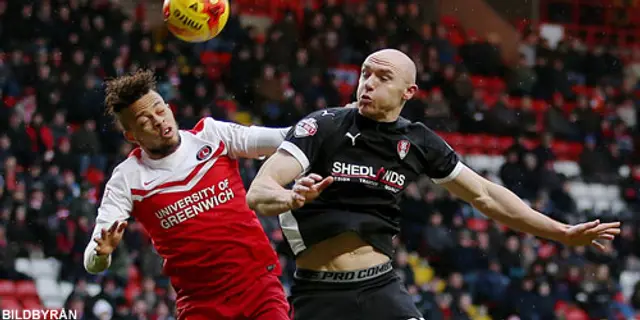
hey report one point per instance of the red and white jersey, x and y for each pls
(192, 204)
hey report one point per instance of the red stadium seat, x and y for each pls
(9, 303)
(214, 72)
(422, 94)
(492, 145)
(224, 58)
(456, 38)
(539, 105)
(515, 102)
(160, 291)
(132, 291)
(134, 274)
(471, 33)
(561, 149)
(345, 91)
(10, 101)
(561, 306)
(490, 99)
(475, 151)
(7, 288)
(478, 225)
(530, 144)
(449, 21)
(582, 90)
(575, 149)
(207, 57)
(504, 143)
(443, 135)
(575, 313)
(73, 127)
(456, 140)
(32, 304)
(215, 58)
(94, 176)
(479, 82)
(496, 85)
(215, 63)
(25, 289)
(448, 138)
(569, 106)
(475, 141)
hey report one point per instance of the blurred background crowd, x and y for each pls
(553, 116)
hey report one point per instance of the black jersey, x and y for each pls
(371, 163)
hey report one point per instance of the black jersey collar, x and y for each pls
(365, 123)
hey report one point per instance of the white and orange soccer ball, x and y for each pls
(195, 20)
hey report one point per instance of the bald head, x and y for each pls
(397, 60)
(387, 81)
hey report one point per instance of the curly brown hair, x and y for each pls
(123, 91)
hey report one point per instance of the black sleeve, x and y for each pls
(442, 162)
(304, 140)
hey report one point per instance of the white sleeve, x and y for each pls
(115, 206)
(247, 142)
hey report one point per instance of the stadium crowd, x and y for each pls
(57, 147)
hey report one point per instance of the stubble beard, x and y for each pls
(166, 150)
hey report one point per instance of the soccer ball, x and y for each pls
(195, 20)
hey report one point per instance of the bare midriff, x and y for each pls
(345, 252)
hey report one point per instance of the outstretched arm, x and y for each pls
(302, 145)
(445, 168)
(245, 141)
(110, 224)
(267, 194)
(505, 207)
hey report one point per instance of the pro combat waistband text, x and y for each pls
(343, 276)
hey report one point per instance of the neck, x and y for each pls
(160, 153)
(390, 116)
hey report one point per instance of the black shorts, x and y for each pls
(375, 293)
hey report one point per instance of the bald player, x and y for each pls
(341, 217)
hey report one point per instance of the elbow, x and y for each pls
(251, 199)
(493, 208)
(94, 264)
(89, 268)
(97, 265)
(86, 261)
(91, 271)
(484, 199)
(485, 204)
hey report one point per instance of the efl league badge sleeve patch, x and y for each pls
(306, 128)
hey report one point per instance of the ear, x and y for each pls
(129, 136)
(410, 92)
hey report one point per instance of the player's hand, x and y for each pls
(311, 186)
(109, 239)
(589, 233)
(294, 200)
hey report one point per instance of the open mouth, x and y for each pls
(167, 132)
